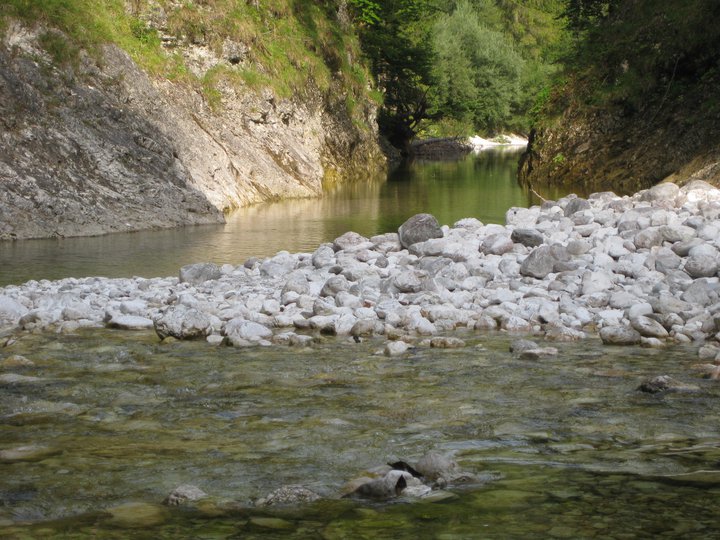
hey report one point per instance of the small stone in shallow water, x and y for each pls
(520, 345)
(539, 353)
(291, 494)
(16, 361)
(130, 322)
(665, 383)
(31, 452)
(14, 378)
(396, 348)
(184, 494)
(446, 343)
(137, 515)
(271, 523)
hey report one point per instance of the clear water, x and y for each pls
(569, 447)
(481, 186)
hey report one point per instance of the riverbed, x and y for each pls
(565, 448)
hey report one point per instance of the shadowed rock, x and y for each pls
(419, 228)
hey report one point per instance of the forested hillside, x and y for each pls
(460, 67)
(638, 101)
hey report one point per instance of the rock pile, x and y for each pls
(640, 269)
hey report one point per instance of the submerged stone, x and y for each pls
(287, 495)
(665, 383)
(31, 452)
(184, 494)
(137, 515)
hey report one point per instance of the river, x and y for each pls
(481, 186)
(97, 426)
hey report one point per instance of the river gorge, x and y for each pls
(488, 339)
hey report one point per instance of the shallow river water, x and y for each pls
(567, 447)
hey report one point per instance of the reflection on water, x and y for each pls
(482, 186)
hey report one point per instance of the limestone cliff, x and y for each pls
(99, 145)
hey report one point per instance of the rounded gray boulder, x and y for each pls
(419, 228)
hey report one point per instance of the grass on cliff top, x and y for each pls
(87, 24)
(291, 44)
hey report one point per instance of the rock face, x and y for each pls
(102, 147)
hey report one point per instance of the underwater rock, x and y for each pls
(184, 494)
(287, 495)
(665, 383)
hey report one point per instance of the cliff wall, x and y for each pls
(100, 145)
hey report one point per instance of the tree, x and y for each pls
(396, 38)
(477, 72)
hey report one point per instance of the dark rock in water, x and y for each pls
(419, 228)
(389, 486)
(520, 345)
(539, 353)
(291, 494)
(665, 383)
(184, 494)
(527, 237)
(196, 274)
(404, 466)
(434, 466)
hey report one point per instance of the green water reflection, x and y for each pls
(482, 186)
(576, 450)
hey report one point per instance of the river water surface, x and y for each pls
(481, 186)
(99, 426)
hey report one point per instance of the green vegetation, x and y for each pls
(639, 55)
(86, 25)
(288, 45)
(461, 67)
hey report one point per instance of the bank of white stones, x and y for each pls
(640, 269)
